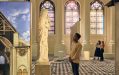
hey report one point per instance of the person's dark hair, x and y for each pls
(99, 42)
(78, 35)
(1, 53)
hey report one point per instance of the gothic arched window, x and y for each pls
(48, 4)
(96, 17)
(72, 9)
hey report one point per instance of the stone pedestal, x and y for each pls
(42, 69)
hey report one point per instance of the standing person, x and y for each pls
(4, 61)
(97, 50)
(75, 53)
(2, 58)
(102, 51)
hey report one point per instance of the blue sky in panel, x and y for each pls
(18, 13)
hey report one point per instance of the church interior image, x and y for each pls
(59, 37)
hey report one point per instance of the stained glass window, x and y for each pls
(71, 14)
(96, 18)
(48, 4)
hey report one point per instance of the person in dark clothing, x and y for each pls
(97, 50)
(102, 51)
(4, 66)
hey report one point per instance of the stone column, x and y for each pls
(86, 22)
(13, 54)
(86, 27)
(16, 39)
(117, 36)
(33, 30)
(13, 61)
(112, 29)
(59, 46)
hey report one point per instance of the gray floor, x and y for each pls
(91, 67)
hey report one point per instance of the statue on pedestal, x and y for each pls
(43, 27)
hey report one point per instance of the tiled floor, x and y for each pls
(91, 67)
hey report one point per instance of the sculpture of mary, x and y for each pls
(43, 27)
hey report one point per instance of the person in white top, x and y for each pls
(2, 58)
(4, 62)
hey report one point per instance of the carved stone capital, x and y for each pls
(22, 50)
